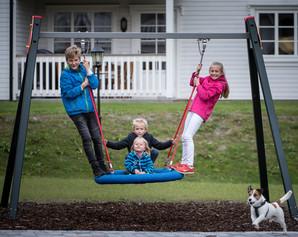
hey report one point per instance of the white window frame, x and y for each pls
(113, 9)
(135, 12)
(256, 10)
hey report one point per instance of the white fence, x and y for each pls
(121, 76)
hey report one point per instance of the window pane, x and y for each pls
(148, 29)
(105, 44)
(161, 46)
(285, 19)
(266, 19)
(60, 45)
(267, 33)
(103, 19)
(161, 19)
(286, 47)
(286, 33)
(82, 22)
(268, 48)
(148, 19)
(103, 22)
(147, 47)
(62, 22)
(161, 29)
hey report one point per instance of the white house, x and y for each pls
(151, 68)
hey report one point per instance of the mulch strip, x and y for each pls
(138, 216)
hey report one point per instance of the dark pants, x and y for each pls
(154, 154)
(87, 126)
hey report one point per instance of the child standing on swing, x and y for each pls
(209, 90)
(74, 82)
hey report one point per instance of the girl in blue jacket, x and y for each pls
(138, 161)
(74, 82)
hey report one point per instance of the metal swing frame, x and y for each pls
(258, 74)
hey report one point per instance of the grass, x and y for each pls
(225, 151)
(49, 189)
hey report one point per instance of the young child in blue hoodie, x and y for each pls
(138, 161)
(75, 81)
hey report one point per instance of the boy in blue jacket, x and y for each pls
(74, 82)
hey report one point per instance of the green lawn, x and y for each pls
(55, 167)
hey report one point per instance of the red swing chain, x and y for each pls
(173, 149)
(100, 129)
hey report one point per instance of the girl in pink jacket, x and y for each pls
(209, 90)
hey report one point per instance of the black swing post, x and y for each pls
(16, 156)
(255, 91)
(257, 73)
(257, 68)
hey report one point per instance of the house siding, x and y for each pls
(228, 17)
(24, 12)
(202, 16)
(4, 50)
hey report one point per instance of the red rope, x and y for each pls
(100, 129)
(179, 130)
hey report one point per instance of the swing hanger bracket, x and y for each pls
(203, 40)
(202, 44)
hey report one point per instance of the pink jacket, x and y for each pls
(208, 93)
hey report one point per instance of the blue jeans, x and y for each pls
(87, 126)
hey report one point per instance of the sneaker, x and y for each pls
(104, 167)
(97, 171)
(173, 166)
(185, 169)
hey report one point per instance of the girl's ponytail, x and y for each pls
(226, 91)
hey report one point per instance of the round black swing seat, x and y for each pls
(123, 177)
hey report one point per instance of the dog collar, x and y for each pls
(257, 208)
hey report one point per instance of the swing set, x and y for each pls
(258, 74)
(158, 175)
(122, 176)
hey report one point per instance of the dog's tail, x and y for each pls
(285, 197)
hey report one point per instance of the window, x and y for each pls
(62, 24)
(279, 32)
(82, 22)
(103, 23)
(153, 22)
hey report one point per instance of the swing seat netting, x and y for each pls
(123, 177)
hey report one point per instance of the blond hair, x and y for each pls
(226, 90)
(141, 139)
(138, 121)
(73, 51)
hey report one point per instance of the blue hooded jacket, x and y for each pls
(76, 100)
(133, 162)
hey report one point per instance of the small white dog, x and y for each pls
(262, 210)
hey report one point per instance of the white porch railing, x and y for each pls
(121, 76)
